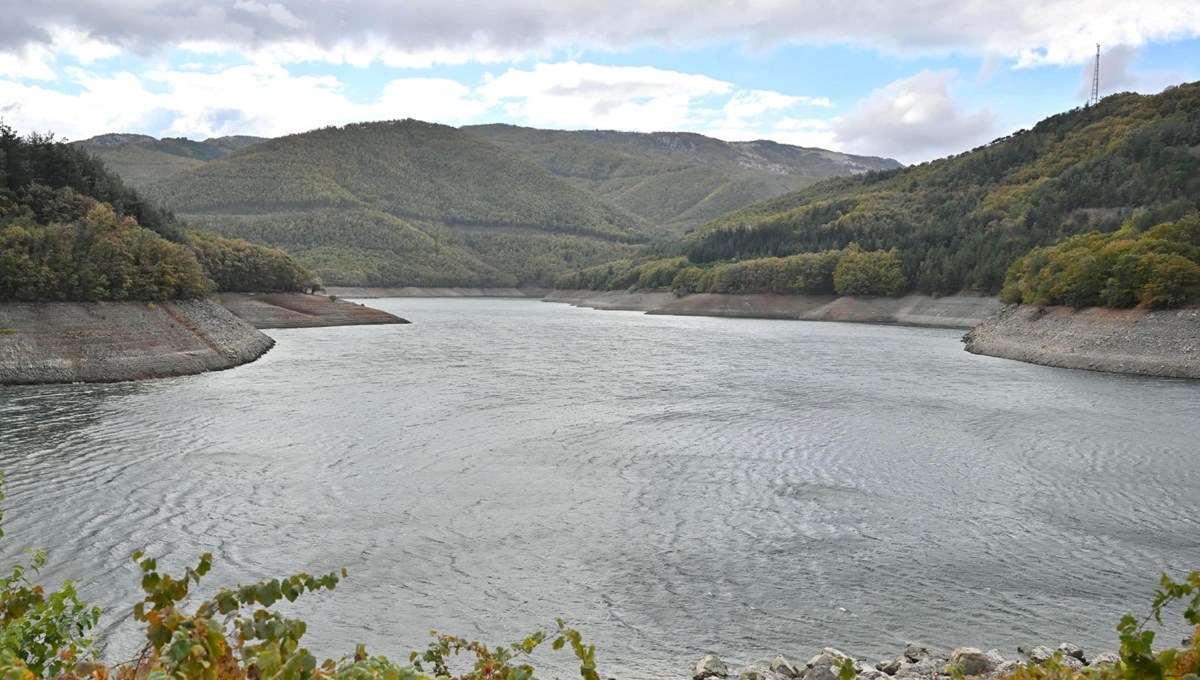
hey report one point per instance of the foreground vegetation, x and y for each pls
(959, 223)
(71, 230)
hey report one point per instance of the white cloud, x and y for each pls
(572, 94)
(912, 120)
(1032, 32)
(250, 99)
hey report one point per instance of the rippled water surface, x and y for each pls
(668, 485)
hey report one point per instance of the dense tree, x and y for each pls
(99, 257)
(958, 223)
(1153, 266)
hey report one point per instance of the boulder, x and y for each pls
(873, 674)
(926, 668)
(1038, 654)
(825, 666)
(915, 653)
(710, 667)
(1069, 649)
(972, 661)
(996, 657)
(780, 665)
(1008, 667)
(1069, 662)
(892, 666)
(1104, 658)
(756, 673)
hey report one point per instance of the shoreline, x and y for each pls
(103, 342)
(954, 312)
(1158, 343)
(367, 293)
(915, 662)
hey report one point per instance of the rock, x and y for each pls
(825, 666)
(915, 653)
(996, 657)
(1008, 667)
(1069, 649)
(781, 666)
(972, 661)
(891, 667)
(1104, 658)
(1038, 655)
(925, 668)
(710, 667)
(873, 674)
(1069, 662)
(756, 673)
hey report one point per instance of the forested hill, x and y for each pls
(140, 159)
(676, 179)
(70, 230)
(404, 203)
(958, 223)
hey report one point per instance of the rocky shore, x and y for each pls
(296, 310)
(1163, 343)
(64, 342)
(956, 311)
(425, 292)
(60, 342)
(914, 663)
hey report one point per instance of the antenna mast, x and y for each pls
(1096, 80)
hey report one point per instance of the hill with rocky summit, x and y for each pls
(679, 180)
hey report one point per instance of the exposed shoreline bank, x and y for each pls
(98, 342)
(435, 292)
(956, 311)
(63, 342)
(1162, 343)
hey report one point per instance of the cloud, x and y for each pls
(1031, 32)
(253, 99)
(912, 120)
(572, 94)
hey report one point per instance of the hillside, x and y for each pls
(675, 179)
(70, 230)
(141, 160)
(957, 224)
(404, 203)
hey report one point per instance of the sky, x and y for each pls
(907, 79)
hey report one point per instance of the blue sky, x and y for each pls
(913, 80)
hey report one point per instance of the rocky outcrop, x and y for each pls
(60, 342)
(958, 311)
(1162, 343)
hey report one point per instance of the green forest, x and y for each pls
(678, 180)
(959, 223)
(404, 203)
(71, 230)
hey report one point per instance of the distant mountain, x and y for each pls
(958, 223)
(141, 159)
(678, 180)
(404, 203)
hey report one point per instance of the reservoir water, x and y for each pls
(670, 486)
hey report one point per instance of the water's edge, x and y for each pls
(103, 342)
(1161, 343)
